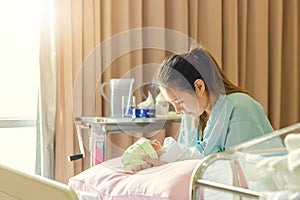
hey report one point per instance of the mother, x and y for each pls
(224, 113)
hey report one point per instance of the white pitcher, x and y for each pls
(118, 88)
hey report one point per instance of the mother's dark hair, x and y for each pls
(181, 71)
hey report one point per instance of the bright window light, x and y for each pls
(19, 79)
(19, 53)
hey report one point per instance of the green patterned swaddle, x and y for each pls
(132, 157)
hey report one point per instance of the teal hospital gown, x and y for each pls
(234, 119)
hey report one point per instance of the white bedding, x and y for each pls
(86, 196)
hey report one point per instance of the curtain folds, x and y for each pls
(255, 41)
(45, 152)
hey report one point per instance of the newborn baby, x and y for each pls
(171, 151)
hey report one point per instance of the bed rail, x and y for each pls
(198, 181)
(235, 154)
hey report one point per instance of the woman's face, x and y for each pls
(185, 102)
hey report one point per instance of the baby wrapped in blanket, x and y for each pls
(280, 172)
(170, 151)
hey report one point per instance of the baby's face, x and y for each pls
(157, 146)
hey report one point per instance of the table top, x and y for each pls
(108, 120)
(133, 125)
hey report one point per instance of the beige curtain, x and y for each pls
(255, 41)
(47, 102)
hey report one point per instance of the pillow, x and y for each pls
(171, 181)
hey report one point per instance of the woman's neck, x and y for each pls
(210, 105)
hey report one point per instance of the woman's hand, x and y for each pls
(151, 162)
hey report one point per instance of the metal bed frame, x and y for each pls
(234, 154)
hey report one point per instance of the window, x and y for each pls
(19, 80)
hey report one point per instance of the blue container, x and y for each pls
(145, 113)
(129, 113)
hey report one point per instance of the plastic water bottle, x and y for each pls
(161, 106)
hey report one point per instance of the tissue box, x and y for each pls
(145, 113)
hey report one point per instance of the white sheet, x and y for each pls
(282, 195)
(86, 196)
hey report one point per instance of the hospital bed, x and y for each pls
(225, 175)
(16, 185)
